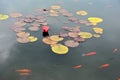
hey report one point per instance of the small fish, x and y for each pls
(24, 71)
(104, 66)
(77, 67)
(89, 54)
(115, 50)
(118, 78)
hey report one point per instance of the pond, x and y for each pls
(44, 64)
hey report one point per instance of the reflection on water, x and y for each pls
(46, 65)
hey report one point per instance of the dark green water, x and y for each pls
(46, 65)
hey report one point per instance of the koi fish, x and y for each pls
(118, 78)
(77, 67)
(89, 54)
(115, 50)
(104, 66)
(23, 71)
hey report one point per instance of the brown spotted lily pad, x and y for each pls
(56, 38)
(85, 35)
(23, 40)
(23, 34)
(71, 43)
(73, 34)
(48, 41)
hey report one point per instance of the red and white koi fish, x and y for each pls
(77, 67)
(89, 54)
(104, 65)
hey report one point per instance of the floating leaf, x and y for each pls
(32, 38)
(56, 38)
(63, 34)
(59, 49)
(67, 28)
(54, 14)
(34, 28)
(76, 29)
(15, 15)
(96, 35)
(81, 12)
(55, 7)
(23, 34)
(85, 34)
(79, 39)
(71, 43)
(48, 41)
(73, 34)
(23, 40)
(95, 19)
(3, 16)
(67, 14)
(98, 30)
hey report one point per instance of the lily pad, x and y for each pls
(48, 41)
(3, 16)
(63, 34)
(23, 34)
(96, 35)
(15, 15)
(59, 49)
(85, 35)
(71, 43)
(23, 40)
(98, 30)
(79, 39)
(95, 19)
(81, 12)
(33, 38)
(73, 34)
(34, 28)
(55, 7)
(56, 38)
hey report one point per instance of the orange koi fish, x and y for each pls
(115, 50)
(118, 78)
(89, 54)
(104, 66)
(77, 67)
(23, 71)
